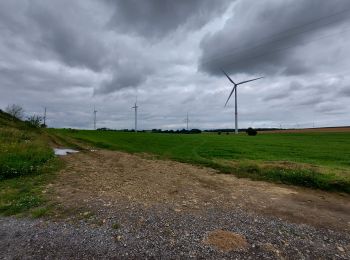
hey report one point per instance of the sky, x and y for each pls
(72, 56)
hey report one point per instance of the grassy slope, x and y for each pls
(319, 160)
(26, 164)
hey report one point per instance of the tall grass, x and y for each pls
(26, 164)
(22, 152)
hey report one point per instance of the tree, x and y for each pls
(251, 131)
(34, 121)
(15, 110)
(195, 131)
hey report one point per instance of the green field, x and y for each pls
(318, 160)
(27, 163)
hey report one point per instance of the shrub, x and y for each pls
(195, 131)
(34, 121)
(251, 131)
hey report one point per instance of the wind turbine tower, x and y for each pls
(45, 116)
(135, 107)
(187, 121)
(95, 111)
(234, 89)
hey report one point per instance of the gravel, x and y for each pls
(162, 233)
(112, 205)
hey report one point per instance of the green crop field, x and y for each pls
(318, 160)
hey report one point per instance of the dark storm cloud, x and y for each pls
(255, 39)
(70, 56)
(53, 30)
(156, 18)
(345, 91)
(125, 76)
(70, 37)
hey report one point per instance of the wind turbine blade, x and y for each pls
(233, 89)
(228, 77)
(248, 81)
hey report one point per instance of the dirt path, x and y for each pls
(115, 177)
(118, 205)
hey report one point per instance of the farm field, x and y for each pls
(342, 129)
(132, 195)
(319, 160)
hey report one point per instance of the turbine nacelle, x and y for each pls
(236, 84)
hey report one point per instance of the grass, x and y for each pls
(24, 194)
(27, 163)
(317, 160)
(115, 226)
(23, 150)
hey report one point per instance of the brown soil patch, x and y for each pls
(311, 130)
(108, 179)
(226, 241)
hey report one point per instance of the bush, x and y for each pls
(251, 131)
(195, 131)
(34, 121)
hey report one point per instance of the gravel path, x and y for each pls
(116, 205)
(160, 232)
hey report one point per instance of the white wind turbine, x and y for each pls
(135, 107)
(234, 89)
(95, 111)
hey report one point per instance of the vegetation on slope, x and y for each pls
(23, 150)
(317, 160)
(24, 158)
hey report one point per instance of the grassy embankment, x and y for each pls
(316, 160)
(26, 164)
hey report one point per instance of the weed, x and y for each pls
(40, 212)
(115, 226)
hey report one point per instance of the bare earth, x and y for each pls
(114, 177)
(136, 206)
(341, 129)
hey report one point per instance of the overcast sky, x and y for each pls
(70, 56)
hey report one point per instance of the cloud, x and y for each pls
(157, 18)
(258, 37)
(277, 96)
(70, 56)
(125, 76)
(345, 91)
(73, 39)
(311, 101)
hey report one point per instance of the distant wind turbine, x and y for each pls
(45, 116)
(187, 120)
(135, 107)
(95, 111)
(234, 89)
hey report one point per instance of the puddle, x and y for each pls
(59, 151)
